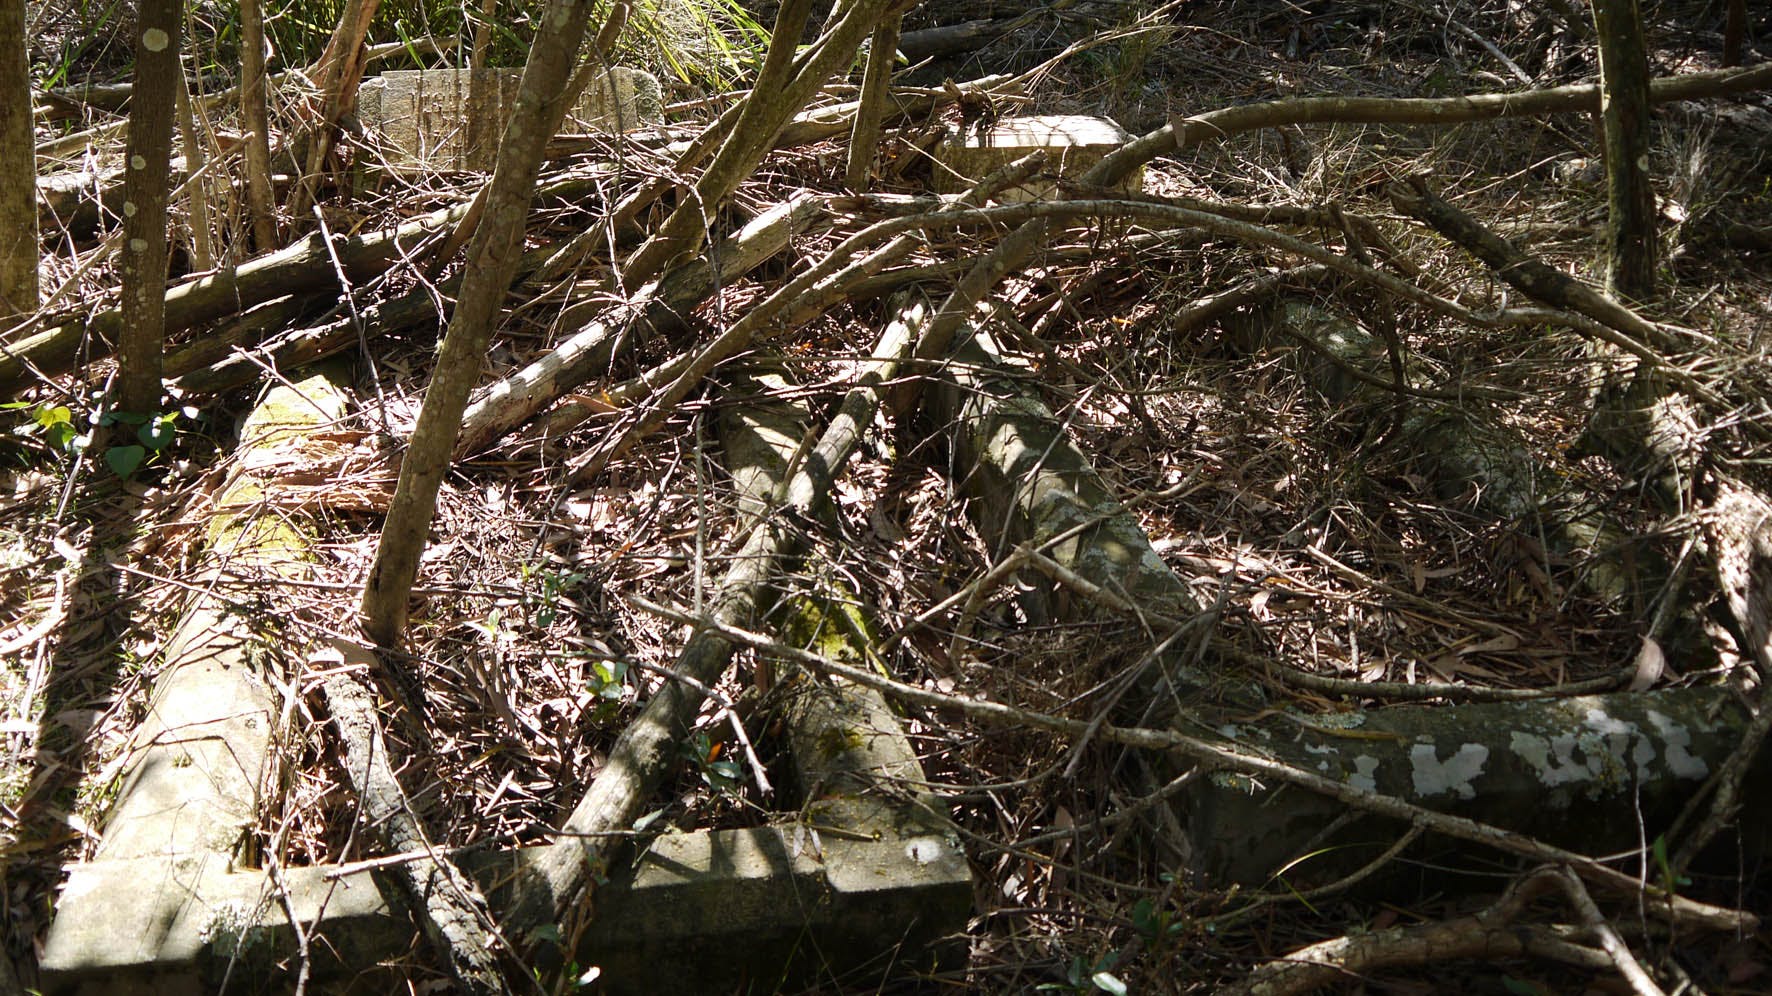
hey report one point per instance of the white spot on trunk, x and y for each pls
(155, 40)
(1682, 763)
(1434, 777)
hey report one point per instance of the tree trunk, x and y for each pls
(492, 263)
(1624, 123)
(875, 83)
(202, 249)
(1734, 31)
(260, 201)
(149, 158)
(18, 200)
(338, 74)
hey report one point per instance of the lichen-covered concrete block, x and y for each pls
(452, 118)
(1073, 142)
(1592, 773)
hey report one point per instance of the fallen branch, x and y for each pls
(799, 301)
(449, 905)
(659, 307)
(1486, 936)
(303, 267)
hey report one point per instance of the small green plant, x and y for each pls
(1153, 924)
(719, 773)
(56, 422)
(1084, 977)
(154, 434)
(1669, 881)
(545, 604)
(608, 685)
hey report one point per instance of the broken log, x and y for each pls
(449, 902)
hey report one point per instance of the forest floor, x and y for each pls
(1312, 537)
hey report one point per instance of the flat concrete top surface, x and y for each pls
(1049, 131)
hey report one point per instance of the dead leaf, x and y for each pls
(883, 525)
(1493, 645)
(1649, 666)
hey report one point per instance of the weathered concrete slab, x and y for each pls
(452, 118)
(868, 882)
(1074, 142)
(191, 785)
(695, 912)
(853, 767)
(1030, 483)
(1595, 774)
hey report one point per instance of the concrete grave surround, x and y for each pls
(1074, 143)
(452, 118)
(863, 884)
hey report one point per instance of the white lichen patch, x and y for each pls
(1681, 762)
(1578, 758)
(1608, 753)
(155, 40)
(1365, 767)
(1431, 776)
(1337, 720)
(925, 850)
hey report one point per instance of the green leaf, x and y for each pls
(1144, 918)
(1108, 982)
(60, 436)
(124, 460)
(157, 434)
(50, 417)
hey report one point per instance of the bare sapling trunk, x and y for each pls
(338, 75)
(1624, 124)
(202, 250)
(864, 138)
(492, 264)
(1734, 31)
(149, 159)
(18, 198)
(260, 201)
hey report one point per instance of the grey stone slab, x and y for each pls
(191, 780)
(695, 911)
(452, 118)
(1074, 142)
